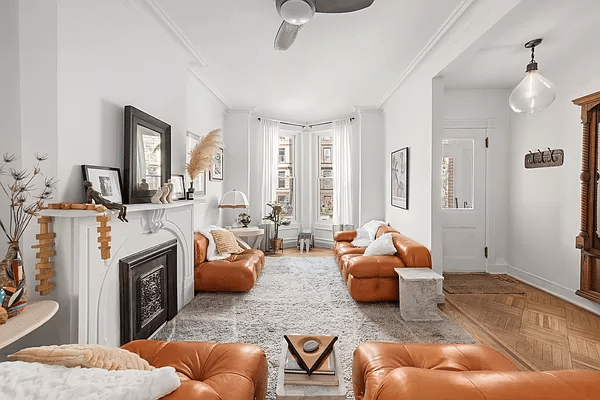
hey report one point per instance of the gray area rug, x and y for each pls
(301, 296)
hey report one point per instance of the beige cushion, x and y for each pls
(382, 246)
(226, 243)
(83, 355)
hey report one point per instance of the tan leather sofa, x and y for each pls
(234, 274)
(209, 371)
(372, 278)
(391, 371)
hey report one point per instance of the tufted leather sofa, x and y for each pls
(209, 371)
(234, 274)
(372, 278)
(391, 371)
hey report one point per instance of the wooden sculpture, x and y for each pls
(46, 251)
(94, 195)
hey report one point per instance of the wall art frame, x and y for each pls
(216, 171)
(399, 178)
(178, 187)
(106, 180)
(147, 155)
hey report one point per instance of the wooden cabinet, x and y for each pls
(588, 239)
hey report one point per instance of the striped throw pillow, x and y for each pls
(226, 243)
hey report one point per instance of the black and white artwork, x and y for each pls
(399, 174)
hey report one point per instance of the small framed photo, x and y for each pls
(399, 174)
(216, 172)
(106, 180)
(178, 187)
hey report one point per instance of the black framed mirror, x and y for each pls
(147, 155)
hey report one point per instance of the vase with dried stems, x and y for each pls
(202, 157)
(24, 202)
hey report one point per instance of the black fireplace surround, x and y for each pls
(148, 290)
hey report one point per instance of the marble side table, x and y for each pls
(417, 294)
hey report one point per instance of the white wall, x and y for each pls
(372, 161)
(10, 110)
(409, 113)
(80, 64)
(473, 105)
(545, 203)
(204, 113)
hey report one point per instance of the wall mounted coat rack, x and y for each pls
(546, 158)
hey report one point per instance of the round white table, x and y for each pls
(251, 231)
(34, 315)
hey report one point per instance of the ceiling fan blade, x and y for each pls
(286, 35)
(341, 6)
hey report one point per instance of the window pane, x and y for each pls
(286, 176)
(457, 173)
(325, 169)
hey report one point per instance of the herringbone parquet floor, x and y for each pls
(536, 330)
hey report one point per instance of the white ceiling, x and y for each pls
(337, 62)
(498, 59)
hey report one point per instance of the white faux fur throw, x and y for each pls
(35, 381)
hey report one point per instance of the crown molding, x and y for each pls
(241, 110)
(458, 11)
(210, 87)
(367, 109)
(469, 123)
(170, 27)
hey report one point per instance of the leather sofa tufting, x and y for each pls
(372, 278)
(236, 273)
(209, 371)
(390, 371)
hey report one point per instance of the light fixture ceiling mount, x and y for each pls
(534, 92)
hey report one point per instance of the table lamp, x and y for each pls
(235, 199)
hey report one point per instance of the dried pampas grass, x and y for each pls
(202, 155)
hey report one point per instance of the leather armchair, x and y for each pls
(386, 371)
(372, 278)
(236, 273)
(209, 371)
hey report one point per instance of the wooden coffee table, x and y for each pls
(304, 392)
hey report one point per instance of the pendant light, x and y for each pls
(534, 92)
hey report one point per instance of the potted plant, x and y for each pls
(23, 205)
(275, 217)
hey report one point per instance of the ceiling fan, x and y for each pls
(296, 13)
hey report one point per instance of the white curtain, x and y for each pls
(342, 172)
(270, 146)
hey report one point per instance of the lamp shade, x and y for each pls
(234, 199)
(533, 93)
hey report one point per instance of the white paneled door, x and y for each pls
(463, 200)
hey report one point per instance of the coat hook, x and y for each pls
(532, 158)
(551, 154)
(541, 155)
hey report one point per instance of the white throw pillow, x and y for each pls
(366, 233)
(362, 238)
(382, 246)
(372, 226)
(211, 252)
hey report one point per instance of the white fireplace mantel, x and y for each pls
(87, 287)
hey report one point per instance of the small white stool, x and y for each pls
(304, 243)
(417, 289)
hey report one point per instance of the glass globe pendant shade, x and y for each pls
(297, 12)
(533, 93)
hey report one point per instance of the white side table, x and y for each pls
(251, 231)
(418, 294)
(34, 315)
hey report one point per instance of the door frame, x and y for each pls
(489, 125)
